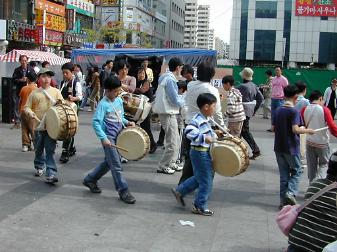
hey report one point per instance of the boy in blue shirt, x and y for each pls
(201, 135)
(108, 121)
(286, 124)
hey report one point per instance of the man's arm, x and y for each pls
(330, 122)
(172, 93)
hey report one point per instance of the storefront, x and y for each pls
(21, 36)
(80, 15)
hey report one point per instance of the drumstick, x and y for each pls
(320, 129)
(119, 148)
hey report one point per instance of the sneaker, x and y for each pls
(124, 160)
(178, 196)
(51, 180)
(39, 172)
(24, 148)
(127, 197)
(64, 157)
(30, 148)
(72, 152)
(255, 155)
(166, 170)
(176, 167)
(204, 212)
(89, 110)
(290, 199)
(92, 186)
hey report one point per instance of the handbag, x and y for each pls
(287, 217)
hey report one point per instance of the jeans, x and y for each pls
(245, 133)
(85, 97)
(43, 143)
(275, 103)
(290, 173)
(170, 126)
(202, 179)
(317, 162)
(111, 162)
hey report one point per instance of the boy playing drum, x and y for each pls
(108, 122)
(201, 134)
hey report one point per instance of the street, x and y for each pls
(37, 217)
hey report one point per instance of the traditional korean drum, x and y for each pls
(136, 141)
(230, 156)
(136, 107)
(61, 122)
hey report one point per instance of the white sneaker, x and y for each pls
(89, 110)
(166, 170)
(124, 160)
(176, 167)
(24, 148)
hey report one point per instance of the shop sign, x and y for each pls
(82, 6)
(20, 32)
(50, 7)
(317, 8)
(74, 39)
(53, 38)
(109, 2)
(70, 16)
(53, 22)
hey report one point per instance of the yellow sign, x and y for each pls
(53, 22)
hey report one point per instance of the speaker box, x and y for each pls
(7, 100)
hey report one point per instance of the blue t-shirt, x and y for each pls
(285, 140)
(301, 103)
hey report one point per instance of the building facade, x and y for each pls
(191, 17)
(176, 23)
(203, 26)
(220, 47)
(291, 32)
(211, 40)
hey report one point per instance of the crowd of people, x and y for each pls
(185, 108)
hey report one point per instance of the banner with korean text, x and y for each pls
(316, 8)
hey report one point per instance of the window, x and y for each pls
(324, 18)
(264, 45)
(327, 47)
(266, 9)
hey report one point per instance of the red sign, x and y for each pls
(53, 38)
(318, 8)
(50, 7)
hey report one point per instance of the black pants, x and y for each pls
(146, 125)
(333, 111)
(69, 144)
(188, 168)
(245, 133)
(161, 138)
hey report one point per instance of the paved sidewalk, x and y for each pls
(67, 217)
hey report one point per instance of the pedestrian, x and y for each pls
(252, 100)
(278, 83)
(27, 123)
(301, 101)
(53, 83)
(234, 111)
(96, 87)
(34, 65)
(205, 73)
(108, 122)
(107, 71)
(316, 225)
(286, 125)
(330, 97)
(88, 87)
(167, 104)
(39, 102)
(143, 88)
(317, 116)
(19, 81)
(71, 90)
(201, 135)
(149, 72)
(188, 73)
(128, 82)
(267, 95)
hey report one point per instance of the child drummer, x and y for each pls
(201, 135)
(108, 121)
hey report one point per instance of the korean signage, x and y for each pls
(20, 32)
(319, 8)
(74, 39)
(53, 22)
(110, 16)
(50, 7)
(70, 19)
(82, 6)
(53, 38)
(109, 2)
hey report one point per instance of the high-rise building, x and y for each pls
(203, 26)
(293, 32)
(176, 23)
(191, 17)
(211, 40)
(160, 33)
(220, 47)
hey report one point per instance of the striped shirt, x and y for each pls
(198, 130)
(316, 225)
(235, 111)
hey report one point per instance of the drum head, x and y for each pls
(136, 141)
(53, 123)
(226, 161)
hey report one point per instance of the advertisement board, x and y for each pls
(110, 15)
(53, 22)
(82, 6)
(316, 8)
(50, 7)
(20, 32)
(109, 2)
(53, 38)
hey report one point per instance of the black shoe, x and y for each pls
(72, 152)
(92, 187)
(51, 180)
(205, 212)
(64, 157)
(160, 144)
(153, 149)
(178, 196)
(255, 155)
(127, 197)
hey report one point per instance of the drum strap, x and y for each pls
(119, 117)
(42, 123)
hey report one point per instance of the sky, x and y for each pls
(221, 15)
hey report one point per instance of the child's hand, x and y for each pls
(219, 133)
(106, 143)
(208, 140)
(131, 124)
(310, 131)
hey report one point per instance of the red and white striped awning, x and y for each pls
(52, 58)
